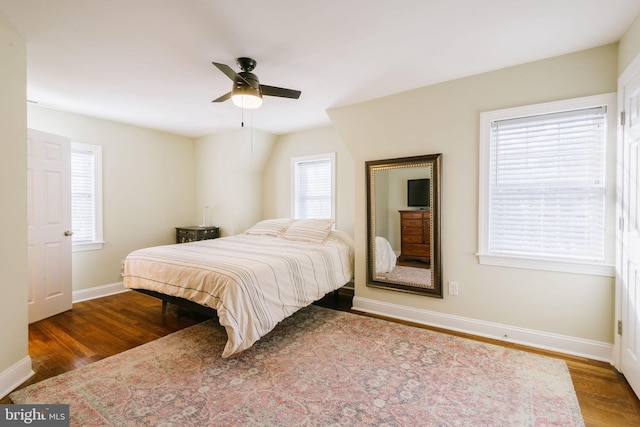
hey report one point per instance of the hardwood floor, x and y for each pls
(100, 328)
(97, 329)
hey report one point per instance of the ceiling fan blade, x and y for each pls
(279, 91)
(228, 71)
(223, 97)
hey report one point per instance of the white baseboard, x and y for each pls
(98, 292)
(15, 375)
(559, 343)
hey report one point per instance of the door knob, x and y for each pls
(68, 233)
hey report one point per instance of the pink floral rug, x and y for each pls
(319, 367)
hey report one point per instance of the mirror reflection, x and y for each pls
(403, 214)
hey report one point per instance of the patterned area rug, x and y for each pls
(319, 367)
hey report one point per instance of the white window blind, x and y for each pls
(82, 196)
(86, 196)
(547, 186)
(313, 187)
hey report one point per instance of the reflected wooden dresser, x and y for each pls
(194, 233)
(415, 236)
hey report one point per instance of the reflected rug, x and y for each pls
(319, 367)
(415, 276)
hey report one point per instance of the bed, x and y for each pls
(385, 256)
(253, 280)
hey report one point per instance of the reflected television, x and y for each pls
(419, 193)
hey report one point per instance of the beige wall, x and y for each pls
(148, 188)
(13, 215)
(629, 46)
(229, 175)
(277, 183)
(444, 118)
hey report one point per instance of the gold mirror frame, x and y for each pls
(409, 278)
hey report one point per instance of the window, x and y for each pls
(313, 186)
(547, 186)
(86, 196)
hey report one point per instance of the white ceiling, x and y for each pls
(148, 62)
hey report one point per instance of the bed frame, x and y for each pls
(180, 302)
(193, 306)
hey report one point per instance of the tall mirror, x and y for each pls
(403, 229)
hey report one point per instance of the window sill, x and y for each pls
(89, 246)
(592, 269)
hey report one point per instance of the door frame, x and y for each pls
(632, 69)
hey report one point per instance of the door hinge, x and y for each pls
(619, 327)
(622, 118)
(621, 223)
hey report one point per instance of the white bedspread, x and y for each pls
(253, 282)
(385, 257)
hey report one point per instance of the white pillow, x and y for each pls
(309, 230)
(270, 227)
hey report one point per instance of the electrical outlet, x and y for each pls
(453, 288)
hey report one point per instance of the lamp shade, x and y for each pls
(246, 97)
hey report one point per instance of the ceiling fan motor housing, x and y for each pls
(250, 78)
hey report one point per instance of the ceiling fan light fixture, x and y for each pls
(246, 97)
(247, 91)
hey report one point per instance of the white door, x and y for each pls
(628, 256)
(49, 224)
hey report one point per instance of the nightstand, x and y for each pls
(194, 233)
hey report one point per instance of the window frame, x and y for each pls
(295, 161)
(98, 241)
(607, 268)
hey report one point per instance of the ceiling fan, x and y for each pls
(247, 91)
